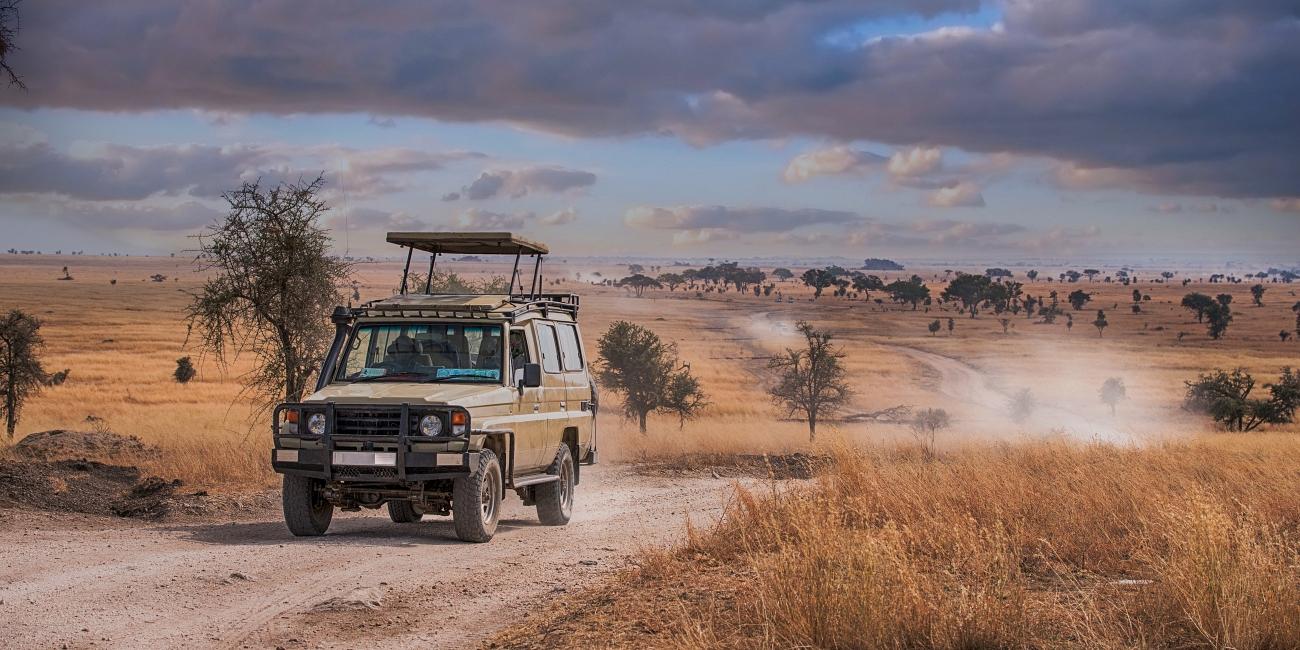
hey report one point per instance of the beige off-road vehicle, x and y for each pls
(437, 404)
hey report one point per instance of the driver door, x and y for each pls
(530, 421)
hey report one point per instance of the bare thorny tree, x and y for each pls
(811, 380)
(8, 35)
(21, 374)
(273, 285)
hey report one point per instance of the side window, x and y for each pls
(569, 346)
(519, 353)
(550, 351)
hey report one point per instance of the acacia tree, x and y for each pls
(926, 424)
(1021, 405)
(1257, 294)
(1226, 397)
(272, 286)
(810, 380)
(912, 291)
(1100, 322)
(1198, 303)
(635, 362)
(968, 289)
(21, 374)
(639, 283)
(1078, 298)
(1219, 315)
(1113, 392)
(818, 279)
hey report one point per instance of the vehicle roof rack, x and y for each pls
(468, 243)
(472, 243)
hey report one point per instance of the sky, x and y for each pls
(909, 129)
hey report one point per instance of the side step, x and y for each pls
(536, 479)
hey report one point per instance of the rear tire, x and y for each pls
(555, 500)
(306, 512)
(403, 512)
(476, 500)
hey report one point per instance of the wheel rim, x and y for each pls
(319, 504)
(489, 496)
(566, 487)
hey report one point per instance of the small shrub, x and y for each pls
(184, 370)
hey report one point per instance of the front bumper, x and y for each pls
(340, 455)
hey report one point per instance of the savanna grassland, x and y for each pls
(1071, 528)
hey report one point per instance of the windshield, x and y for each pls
(423, 352)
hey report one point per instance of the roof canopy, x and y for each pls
(467, 243)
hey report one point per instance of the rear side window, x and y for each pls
(569, 346)
(550, 351)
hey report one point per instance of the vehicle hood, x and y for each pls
(466, 395)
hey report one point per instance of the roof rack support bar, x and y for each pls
(514, 274)
(406, 271)
(428, 281)
(536, 285)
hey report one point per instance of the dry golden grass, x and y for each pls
(1049, 544)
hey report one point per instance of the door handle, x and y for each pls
(564, 406)
(537, 407)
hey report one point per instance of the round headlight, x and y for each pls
(316, 424)
(430, 425)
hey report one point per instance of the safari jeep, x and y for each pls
(436, 404)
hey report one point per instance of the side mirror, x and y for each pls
(532, 376)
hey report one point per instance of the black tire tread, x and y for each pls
(303, 513)
(403, 512)
(466, 516)
(550, 510)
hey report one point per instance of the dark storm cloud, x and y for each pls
(1191, 97)
(121, 172)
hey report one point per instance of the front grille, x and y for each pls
(348, 471)
(370, 422)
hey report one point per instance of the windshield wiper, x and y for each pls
(430, 380)
(376, 377)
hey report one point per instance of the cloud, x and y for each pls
(1207, 207)
(1061, 239)
(519, 183)
(743, 220)
(1176, 97)
(375, 219)
(916, 161)
(115, 172)
(476, 219)
(961, 195)
(102, 216)
(559, 217)
(831, 161)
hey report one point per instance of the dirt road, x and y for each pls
(82, 582)
(987, 405)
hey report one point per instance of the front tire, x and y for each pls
(403, 512)
(476, 500)
(555, 500)
(306, 512)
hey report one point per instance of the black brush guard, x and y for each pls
(408, 466)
